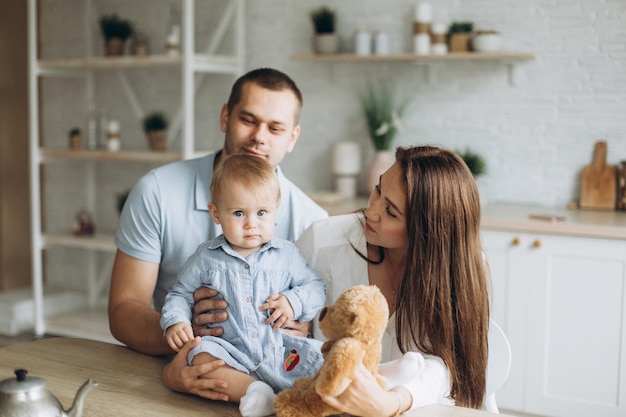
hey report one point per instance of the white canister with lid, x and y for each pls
(381, 43)
(422, 43)
(363, 42)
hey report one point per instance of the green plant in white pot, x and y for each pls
(325, 40)
(383, 110)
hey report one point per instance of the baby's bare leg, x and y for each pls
(238, 382)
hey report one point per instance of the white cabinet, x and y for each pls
(562, 303)
(64, 180)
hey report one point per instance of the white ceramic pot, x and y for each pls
(487, 42)
(381, 162)
(326, 43)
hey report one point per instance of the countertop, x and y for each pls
(584, 223)
(515, 217)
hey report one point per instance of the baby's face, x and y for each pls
(247, 216)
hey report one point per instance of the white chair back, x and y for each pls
(498, 365)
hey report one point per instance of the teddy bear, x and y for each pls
(354, 324)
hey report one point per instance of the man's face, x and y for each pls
(261, 124)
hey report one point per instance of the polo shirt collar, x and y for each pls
(202, 184)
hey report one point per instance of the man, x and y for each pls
(166, 217)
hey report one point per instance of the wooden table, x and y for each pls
(129, 383)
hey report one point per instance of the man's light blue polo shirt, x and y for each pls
(166, 218)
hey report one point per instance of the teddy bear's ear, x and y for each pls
(323, 313)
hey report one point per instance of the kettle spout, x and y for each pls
(77, 408)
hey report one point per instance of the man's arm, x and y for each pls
(132, 319)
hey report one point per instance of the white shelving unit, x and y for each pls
(191, 66)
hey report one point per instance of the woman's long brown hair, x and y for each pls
(443, 304)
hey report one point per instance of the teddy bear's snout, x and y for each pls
(323, 313)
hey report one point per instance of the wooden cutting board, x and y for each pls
(599, 182)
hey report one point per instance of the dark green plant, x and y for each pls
(121, 199)
(112, 26)
(474, 161)
(461, 27)
(383, 111)
(324, 19)
(154, 121)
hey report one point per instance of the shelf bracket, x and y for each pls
(516, 74)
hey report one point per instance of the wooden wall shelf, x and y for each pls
(461, 56)
(128, 156)
(199, 62)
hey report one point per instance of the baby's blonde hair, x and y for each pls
(253, 172)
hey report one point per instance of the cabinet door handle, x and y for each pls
(537, 243)
(516, 241)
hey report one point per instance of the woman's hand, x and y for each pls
(207, 311)
(365, 398)
(178, 376)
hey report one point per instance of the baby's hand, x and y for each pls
(280, 310)
(178, 334)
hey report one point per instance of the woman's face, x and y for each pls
(386, 213)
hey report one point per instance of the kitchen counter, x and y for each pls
(515, 217)
(584, 223)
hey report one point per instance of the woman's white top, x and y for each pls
(329, 247)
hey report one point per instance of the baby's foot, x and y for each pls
(258, 401)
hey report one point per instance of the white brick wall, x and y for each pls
(536, 136)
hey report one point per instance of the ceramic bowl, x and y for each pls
(487, 42)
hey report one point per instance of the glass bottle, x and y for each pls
(172, 41)
(91, 125)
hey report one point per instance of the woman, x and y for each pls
(419, 242)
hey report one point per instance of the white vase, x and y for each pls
(381, 162)
(326, 43)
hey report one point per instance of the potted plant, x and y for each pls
(115, 32)
(459, 36)
(155, 128)
(383, 112)
(474, 161)
(325, 40)
(121, 200)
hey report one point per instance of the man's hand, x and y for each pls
(208, 311)
(178, 376)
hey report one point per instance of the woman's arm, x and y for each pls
(365, 398)
(425, 378)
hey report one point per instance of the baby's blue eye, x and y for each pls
(238, 213)
(261, 213)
